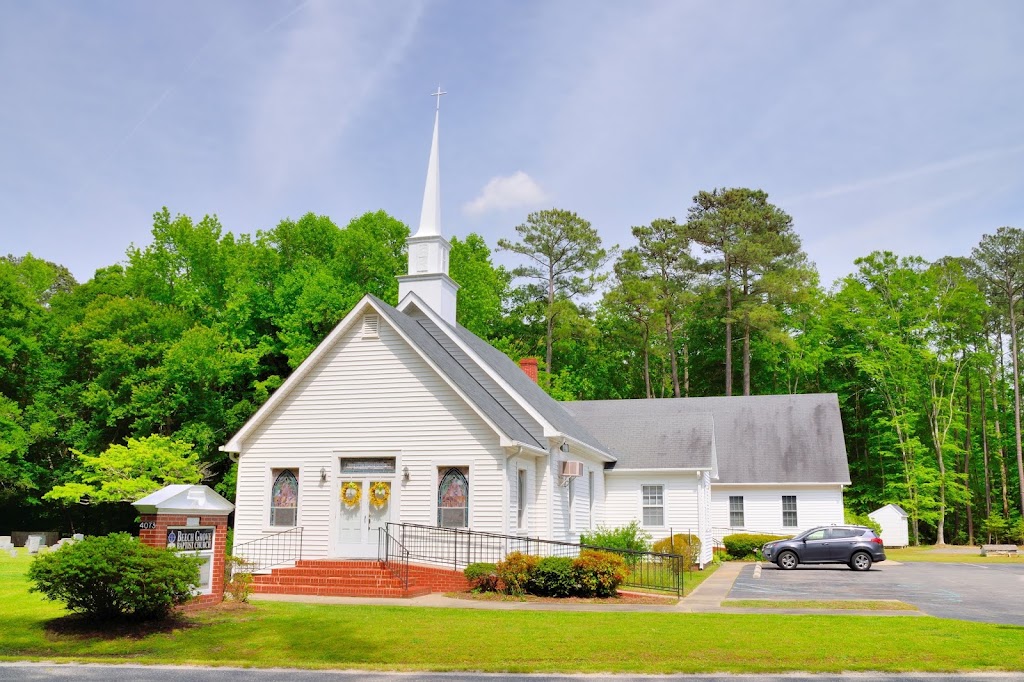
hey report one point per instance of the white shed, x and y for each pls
(893, 520)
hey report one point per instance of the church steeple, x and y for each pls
(428, 250)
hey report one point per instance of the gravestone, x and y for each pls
(78, 536)
(5, 542)
(34, 543)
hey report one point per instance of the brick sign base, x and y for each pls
(153, 532)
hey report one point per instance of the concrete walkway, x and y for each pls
(705, 598)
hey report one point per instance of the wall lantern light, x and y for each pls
(405, 474)
(323, 475)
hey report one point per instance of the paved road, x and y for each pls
(980, 592)
(128, 673)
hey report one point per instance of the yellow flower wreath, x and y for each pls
(351, 492)
(380, 493)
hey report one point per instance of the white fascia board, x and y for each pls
(650, 470)
(549, 430)
(790, 484)
(519, 447)
(580, 445)
(235, 444)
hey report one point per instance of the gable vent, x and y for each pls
(371, 324)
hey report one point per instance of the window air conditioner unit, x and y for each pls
(570, 468)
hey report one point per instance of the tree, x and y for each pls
(1000, 258)
(482, 287)
(566, 255)
(635, 298)
(125, 473)
(663, 251)
(756, 255)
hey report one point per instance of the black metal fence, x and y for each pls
(458, 548)
(268, 551)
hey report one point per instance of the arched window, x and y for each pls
(284, 499)
(453, 500)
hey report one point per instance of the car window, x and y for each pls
(816, 535)
(838, 533)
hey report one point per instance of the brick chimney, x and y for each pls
(529, 365)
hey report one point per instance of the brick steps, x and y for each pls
(325, 577)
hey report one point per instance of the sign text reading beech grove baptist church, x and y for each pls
(190, 539)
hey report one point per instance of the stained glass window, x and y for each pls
(284, 499)
(453, 500)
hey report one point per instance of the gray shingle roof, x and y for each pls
(455, 369)
(649, 434)
(758, 439)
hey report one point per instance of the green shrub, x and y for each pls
(482, 577)
(237, 580)
(598, 574)
(553, 577)
(686, 546)
(746, 545)
(115, 576)
(861, 520)
(515, 571)
(630, 538)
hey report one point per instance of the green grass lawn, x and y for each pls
(405, 638)
(824, 604)
(948, 554)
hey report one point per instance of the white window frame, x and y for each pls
(572, 502)
(590, 500)
(742, 512)
(794, 511)
(274, 471)
(644, 506)
(440, 468)
(522, 493)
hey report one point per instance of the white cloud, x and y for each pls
(518, 190)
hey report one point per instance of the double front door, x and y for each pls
(364, 505)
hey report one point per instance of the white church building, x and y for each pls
(401, 415)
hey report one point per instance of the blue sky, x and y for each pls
(876, 124)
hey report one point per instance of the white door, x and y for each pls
(364, 505)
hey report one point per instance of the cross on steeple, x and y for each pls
(438, 96)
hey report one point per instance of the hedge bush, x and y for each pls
(482, 577)
(115, 576)
(515, 571)
(687, 546)
(553, 577)
(631, 538)
(743, 545)
(598, 574)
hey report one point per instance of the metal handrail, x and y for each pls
(389, 552)
(276, 549)
(457, 547)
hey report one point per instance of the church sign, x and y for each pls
(190, 539)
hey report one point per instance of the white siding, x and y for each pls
(372, 395)
(682, 506)
(895, 530)
(816, 505)
(566, 529)
(529, 465)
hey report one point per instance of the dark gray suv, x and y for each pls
(856, 546)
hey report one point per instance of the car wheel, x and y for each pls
(788, 561)
(861, 561)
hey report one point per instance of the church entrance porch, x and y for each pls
(364, 504)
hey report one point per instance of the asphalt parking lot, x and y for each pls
(986, 593)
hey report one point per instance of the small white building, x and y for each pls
(401, 415)
(895, 525)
